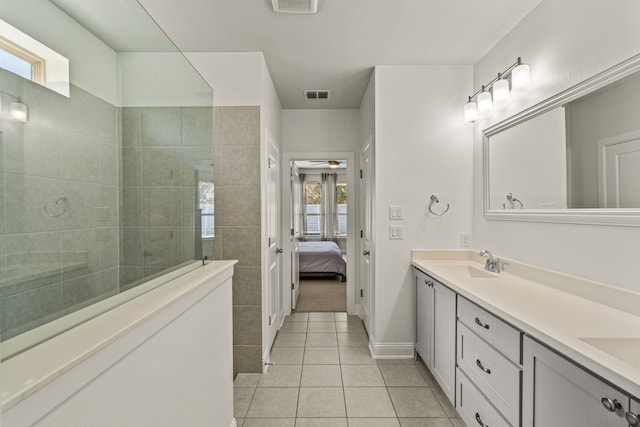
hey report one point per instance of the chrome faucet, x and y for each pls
(492, 264)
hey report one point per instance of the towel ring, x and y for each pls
(513, 200)
(434, 199)
(60, 208)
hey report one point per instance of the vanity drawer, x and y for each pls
(496, 332)
(494, 374)
(473, 407)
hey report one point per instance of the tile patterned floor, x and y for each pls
(323, 376)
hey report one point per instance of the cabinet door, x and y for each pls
(558, 393)
(444, 339)
(424, 316)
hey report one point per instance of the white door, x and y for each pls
(619, 171)
(366, 203)
(272, 296)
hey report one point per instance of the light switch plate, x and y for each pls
(396, 232)
(465, 240)
(396, 212)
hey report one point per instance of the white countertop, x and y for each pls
(556, 317)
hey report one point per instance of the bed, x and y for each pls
(321, 259)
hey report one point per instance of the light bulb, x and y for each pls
(485, 103)
(500, 90)
(520, 76)
(470, 111)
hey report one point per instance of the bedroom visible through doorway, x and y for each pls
(319, 228)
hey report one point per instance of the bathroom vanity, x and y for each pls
(527, 347)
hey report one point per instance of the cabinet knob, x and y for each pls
(365, 253)
(428, 283)
(479, 323)
(632, 419)
(279, 250)
(610, 404)
(479, 420)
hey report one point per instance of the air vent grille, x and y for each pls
(317, 94)
(295, 6)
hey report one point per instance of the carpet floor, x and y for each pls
(322, 295)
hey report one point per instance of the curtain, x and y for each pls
(329, 204)
(302, 217)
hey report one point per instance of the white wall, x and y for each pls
(236, 78)
(160, 79)
(321, 130)
(422, 147)
(564, 42)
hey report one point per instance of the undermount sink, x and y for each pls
(470, 272)
(625, 349)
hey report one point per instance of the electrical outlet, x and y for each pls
(465, 240)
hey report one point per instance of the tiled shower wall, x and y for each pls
(56, 257)
(237, 180)
(166, 151)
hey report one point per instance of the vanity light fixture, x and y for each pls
(482, 100)
(18, 111)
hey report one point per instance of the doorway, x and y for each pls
(319, 216)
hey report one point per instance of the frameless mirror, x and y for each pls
(572, 158)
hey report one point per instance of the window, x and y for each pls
(341, 191)
(207, 209)
(312, 191)
(21, 54)
(21, 62)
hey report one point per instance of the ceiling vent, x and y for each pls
(316, 94)
(295, 6)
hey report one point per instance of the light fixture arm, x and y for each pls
(504, 74)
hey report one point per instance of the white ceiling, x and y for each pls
(334, 49)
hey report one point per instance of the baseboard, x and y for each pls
(396, 350)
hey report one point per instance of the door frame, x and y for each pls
(353, 305)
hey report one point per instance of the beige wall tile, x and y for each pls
(241, 125)
(239, 165)
(247, 358)
(197, 126)
(238, 206)
(247, 325)
(161, 126)
(241, 243)
(247, 285)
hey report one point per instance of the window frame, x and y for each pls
(38, 64)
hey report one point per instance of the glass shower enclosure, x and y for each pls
(104, 188)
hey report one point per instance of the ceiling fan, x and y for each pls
(333, 164)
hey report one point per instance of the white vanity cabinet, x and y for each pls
(557, 392)
(436, 330)
(489, 372)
